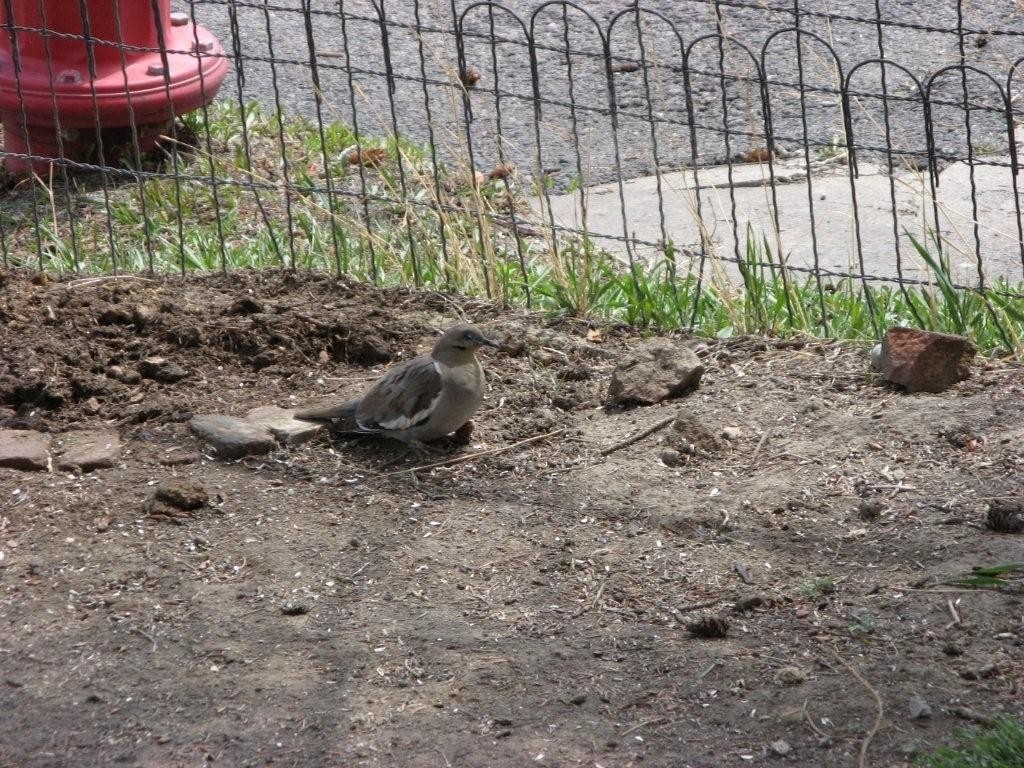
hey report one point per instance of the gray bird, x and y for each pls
(420, 400)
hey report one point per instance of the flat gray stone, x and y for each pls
(655, 370)
(89, 450)
(283, 425)
(231, 437)
(24, 449)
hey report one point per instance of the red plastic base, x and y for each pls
(47, 148)
(57, 118)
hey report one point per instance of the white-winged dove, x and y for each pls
(420, 400)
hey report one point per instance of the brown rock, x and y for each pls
(463, 434)
(24, 449)
(124, 375)
(89, 450)
(244, 305)
(162, 370)
(142, 314)
(924, 361)
(183, 494)
(179, 458)
(114, 315)
(654, 371)
(161, 510)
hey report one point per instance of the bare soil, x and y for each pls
(330, 607)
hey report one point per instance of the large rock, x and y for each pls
(24, 449)
(923, 361)
(283, 425)
(231, 437)
(655, 370)
(88, 450)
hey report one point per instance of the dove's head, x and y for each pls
(458, 344)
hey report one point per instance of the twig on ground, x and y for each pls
(879, 708)
(757, 450)
(971, 715)
(102, 278)
(697, 606)
(953, 612)
(144, 634)
(824, 737)
(593, 603)
(707, 671)
(571, 467)
(644, 724)
(480, 454)
(637, 437)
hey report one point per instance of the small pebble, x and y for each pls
(749, 603)
(670, 457)
(980, 673)
(732, 434)
(911, 748)
(101, 524)
(870, 509)
(919, 709)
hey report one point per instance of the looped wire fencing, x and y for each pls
(668, 163)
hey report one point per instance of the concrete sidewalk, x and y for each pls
(903, 206)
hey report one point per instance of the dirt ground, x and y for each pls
(329, 607)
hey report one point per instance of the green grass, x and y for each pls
(816, 587)
(1004, 576)
(999, 746)
(286, 196)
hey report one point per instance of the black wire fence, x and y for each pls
(822, 140)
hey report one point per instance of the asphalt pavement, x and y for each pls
(276, 43)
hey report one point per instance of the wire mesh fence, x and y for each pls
(553, 153)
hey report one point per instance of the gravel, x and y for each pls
(276, 51)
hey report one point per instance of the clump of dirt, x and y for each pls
(554, 592)
(690, 435)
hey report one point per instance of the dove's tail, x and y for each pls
(341, 417)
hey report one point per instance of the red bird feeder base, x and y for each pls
(55, 106)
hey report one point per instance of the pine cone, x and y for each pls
(1005, 516)
(709, 627)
